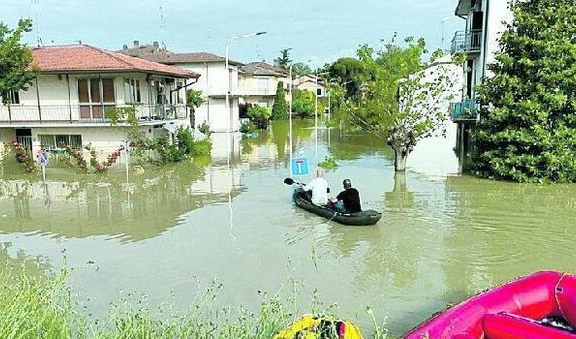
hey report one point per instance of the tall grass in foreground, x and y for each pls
(44, 307)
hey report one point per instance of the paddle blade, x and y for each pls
(289, 181)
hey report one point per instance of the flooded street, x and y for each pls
(441, 238)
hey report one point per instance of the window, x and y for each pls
(94, 95)
(319, 92)
(13, 97)
(132, 91)
(179, 97)
(53, 142)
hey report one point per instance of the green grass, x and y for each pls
(43, 306)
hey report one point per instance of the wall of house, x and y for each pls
(213, 112)
(105, 139)
(260, 100)
(213, 83)
(261, 85)
(213, 79)
(497, 13)
(435, 155)
(311, 86)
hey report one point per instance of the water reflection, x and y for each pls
(134, 211)
(441, 237)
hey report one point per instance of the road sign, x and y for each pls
(43, 158)
(300, 166)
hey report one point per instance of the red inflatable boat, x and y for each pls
(542, 305)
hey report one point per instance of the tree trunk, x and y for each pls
(192, 117)
(400, 160)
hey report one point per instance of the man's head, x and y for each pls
(319, 173)
(347, 183)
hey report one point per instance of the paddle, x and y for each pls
(290, 181)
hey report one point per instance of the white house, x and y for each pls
(485, 23)
(213, 82)
(435, 155)
(259, 81)
(68, 101)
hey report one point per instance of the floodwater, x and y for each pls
(441, 238)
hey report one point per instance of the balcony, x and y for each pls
(469, 41)
(465, 111)
(81, 114)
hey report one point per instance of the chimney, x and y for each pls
(136, 43)
(125, 47)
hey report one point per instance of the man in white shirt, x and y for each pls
(319, 188)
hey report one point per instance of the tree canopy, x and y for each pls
(16, 61)
(399, 96)
(284, 60)
(527, 127)
(280, 107)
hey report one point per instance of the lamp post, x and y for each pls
(229, 113)
(443, 22)
(290, 117)
(227, 103)
(316, 114)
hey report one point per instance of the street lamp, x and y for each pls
(227, 103)
(316, 114)
(229, 112)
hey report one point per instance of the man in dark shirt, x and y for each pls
(348, 201)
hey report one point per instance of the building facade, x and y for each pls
(311, 83)
(259, 81)
(214, 82)
(486, 20)
(70, 101)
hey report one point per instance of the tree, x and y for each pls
(303, 103)
(280, 107)
(300, 68)
(284, 59)
(260, 116)
(194, 99)
(16, 61)
(404, 99)
(527, 124)
(350, 74)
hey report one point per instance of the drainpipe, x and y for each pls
(69, 97)
(38, 100)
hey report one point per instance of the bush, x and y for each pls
(260, 116)
(205, 128)
(248, 127)
(303, 103)
(201, 148)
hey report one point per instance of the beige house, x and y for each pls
(311, 83)
(76, 85)
(213, 82)
(258, 82)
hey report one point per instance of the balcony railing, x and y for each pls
(469, 41)
(463, 111)
(85, 113)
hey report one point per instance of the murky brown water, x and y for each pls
(441, 238)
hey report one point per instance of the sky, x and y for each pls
(318, 31)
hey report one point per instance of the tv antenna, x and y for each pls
(161, 13)
(37, 22)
